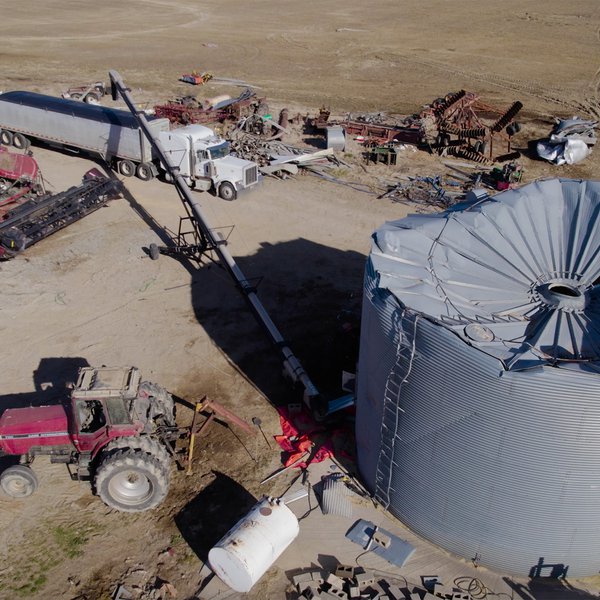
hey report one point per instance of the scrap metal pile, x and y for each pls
(188, 109)
(458, 124)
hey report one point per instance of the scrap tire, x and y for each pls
(126, 168)
(162, 399)
(131, 481)
(141, 443)
(18, 481)
(227, 191)
(19, 141)
(6, 137)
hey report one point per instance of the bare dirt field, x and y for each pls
(91, 295)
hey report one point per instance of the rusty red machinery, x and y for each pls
(20, 178)
(457, 124)
(188, 109)
(468, 127)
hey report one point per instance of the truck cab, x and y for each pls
(205, 162)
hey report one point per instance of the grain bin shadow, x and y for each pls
(212, 513)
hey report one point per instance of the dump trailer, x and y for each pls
(116, 137)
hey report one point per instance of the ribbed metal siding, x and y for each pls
(502, 464)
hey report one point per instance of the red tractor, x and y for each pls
(116, 431)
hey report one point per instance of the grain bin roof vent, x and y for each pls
(517, 276)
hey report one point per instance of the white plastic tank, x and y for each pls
(253, 544)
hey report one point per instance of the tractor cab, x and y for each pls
(100, 400)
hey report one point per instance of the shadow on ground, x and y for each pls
(547, 588)
(209, 516)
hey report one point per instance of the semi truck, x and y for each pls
(202, 158)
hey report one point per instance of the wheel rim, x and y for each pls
(130, 487)
(17, 487)
(127, 169)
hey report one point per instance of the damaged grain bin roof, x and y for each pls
(517, 276)
(478, 395)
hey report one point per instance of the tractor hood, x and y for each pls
(33, 420)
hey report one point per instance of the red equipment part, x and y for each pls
(17, 166)
(22, 428)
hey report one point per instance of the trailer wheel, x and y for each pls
(6, 137)
(126, 168)
(145, 172)
(18, 481)
(20, 141)
(227, 191)
(154, 251)
(131, 481)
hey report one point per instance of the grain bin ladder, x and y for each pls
(213, 241)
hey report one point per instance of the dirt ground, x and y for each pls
(91, 295)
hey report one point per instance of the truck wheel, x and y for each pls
(18, 481)
(126, 168)
(91, 98)
(20, 141)
(227, 191)
(6, 137)
(131, 481)
(145, 172)
(142, 443)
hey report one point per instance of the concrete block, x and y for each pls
(334, 581)
(311, 592)
(344, 571)
(302, 578)
(364, 579)
(395, 593)
(318, 576)
(337, 594)
(353, 591)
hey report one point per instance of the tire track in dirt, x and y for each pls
(180, 16)
(557, 96)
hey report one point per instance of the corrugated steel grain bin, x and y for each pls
(478, 402)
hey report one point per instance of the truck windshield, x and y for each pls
(219, 151)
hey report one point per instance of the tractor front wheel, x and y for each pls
(18, 481)
(131, 481)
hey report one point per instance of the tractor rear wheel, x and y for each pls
(162, 400)
(144, 443)
(18, 481)
(131, 481)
